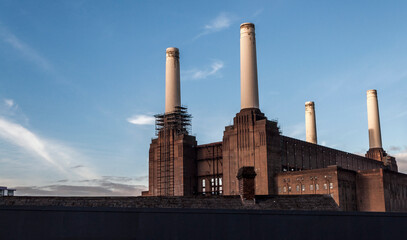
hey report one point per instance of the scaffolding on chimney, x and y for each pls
(168, 126)
(178, 120)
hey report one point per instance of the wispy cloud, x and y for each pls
(106, 189)
(9, 102)
(141, 120)
(223, 21)
(220, 22)
(31, 55)
(195, 74)
(395, 148)
(24, 49)
(400, 153)
(51, 153)
(257, 12)
(401, 159)
(36, 165)
(102, 186)
(9, 109)
(24, 138)
(77, 166)
(295, 131)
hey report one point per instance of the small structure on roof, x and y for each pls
(4, 191)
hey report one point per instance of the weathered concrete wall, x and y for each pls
(104, 223)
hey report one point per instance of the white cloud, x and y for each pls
(35, 166)
(141, 120)
(59, 156)
(105, 189)
(102, 186)
(9, 102)
(196, 74)
(401, 159)
(400, 153)
(221, 22)
(22, 137)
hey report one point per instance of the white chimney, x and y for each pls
(248, 67)
(310, 123)
(172, 80)
(375, 136)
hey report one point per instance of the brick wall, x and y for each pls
(301, 155)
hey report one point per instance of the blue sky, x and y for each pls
(80, 81)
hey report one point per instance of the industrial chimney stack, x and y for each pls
(172, 80)
(310, 123)
(375, 136)
(248, 67)
(376, 150)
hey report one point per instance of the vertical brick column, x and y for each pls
(246, 177)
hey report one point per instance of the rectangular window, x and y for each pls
(298, 188)
(220, 186)
(215, 187)
(331, 185)
(317, 186)
(279, 189)
(289, 189)
(325, 186)
(284, 189)
(203, 187)
(311, 187)
(303, 188)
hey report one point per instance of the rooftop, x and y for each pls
(270, 202)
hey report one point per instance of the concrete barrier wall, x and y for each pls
(108, 223)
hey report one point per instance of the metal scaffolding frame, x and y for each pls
(168, 126)
(179, 120)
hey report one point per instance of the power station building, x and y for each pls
(254, 158)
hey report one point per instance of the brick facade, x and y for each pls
(283, 166)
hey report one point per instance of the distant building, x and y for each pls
(281, 165)
(4, 191)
